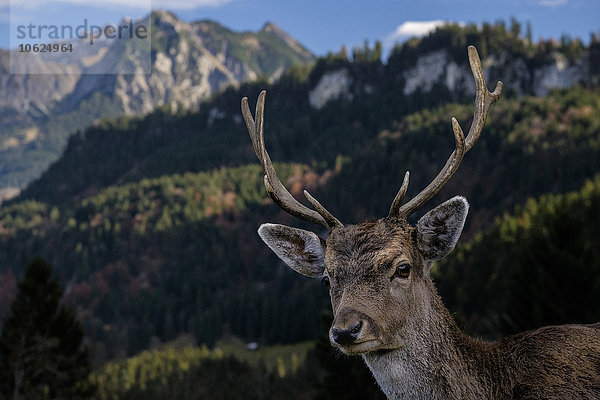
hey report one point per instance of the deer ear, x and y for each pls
(302, 250)
(439, 229)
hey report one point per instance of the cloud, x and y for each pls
(142, 4)
(410, 29)
(553, 3)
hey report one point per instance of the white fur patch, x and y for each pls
(301, 250)
(398, 375)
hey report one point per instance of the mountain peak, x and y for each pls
(273, 29)
(163, 14)
(189, 62)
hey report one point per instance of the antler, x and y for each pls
(275, 188)
(483, 101)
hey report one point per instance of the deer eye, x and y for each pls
(326, 282)
(402, 271)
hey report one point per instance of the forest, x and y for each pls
(150, 223)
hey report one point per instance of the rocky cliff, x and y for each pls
(189, 62)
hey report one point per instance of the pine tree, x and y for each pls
(41, 348)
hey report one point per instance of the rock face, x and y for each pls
(189, 62)
(559, 75)
(437, 69)
(332, 85)
(32, 95)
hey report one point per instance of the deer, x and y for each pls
(385, 305)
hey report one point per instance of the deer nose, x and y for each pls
(346, 335)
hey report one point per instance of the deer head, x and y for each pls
(377, 272)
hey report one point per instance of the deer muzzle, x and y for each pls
(348, 328)
(346, 336)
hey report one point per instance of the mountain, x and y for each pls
(305, 100)
(189, 61)
(151, 221)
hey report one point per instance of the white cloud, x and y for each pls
(552, 3)
(410, 29)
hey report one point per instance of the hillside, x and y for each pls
(136, 252)
(189, 63)
(364, 98)
(151, 222)
(556, 256)
(177, 252)
(537, 265)
(227, 372)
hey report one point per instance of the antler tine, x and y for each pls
(483, 101)
(329, 218)
(275, 189)
(483, 98)
(442, 177)
(395, 207)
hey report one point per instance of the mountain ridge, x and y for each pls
(190, 62)
(418, 74)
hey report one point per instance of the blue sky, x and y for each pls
(326, 25)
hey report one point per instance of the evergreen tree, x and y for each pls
(555, 276)
(537, 267)
(41, 351)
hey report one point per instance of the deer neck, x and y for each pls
(438, 361)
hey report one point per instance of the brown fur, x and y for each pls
(405, 334)
(421, 353)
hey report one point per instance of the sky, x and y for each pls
(324, 25)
